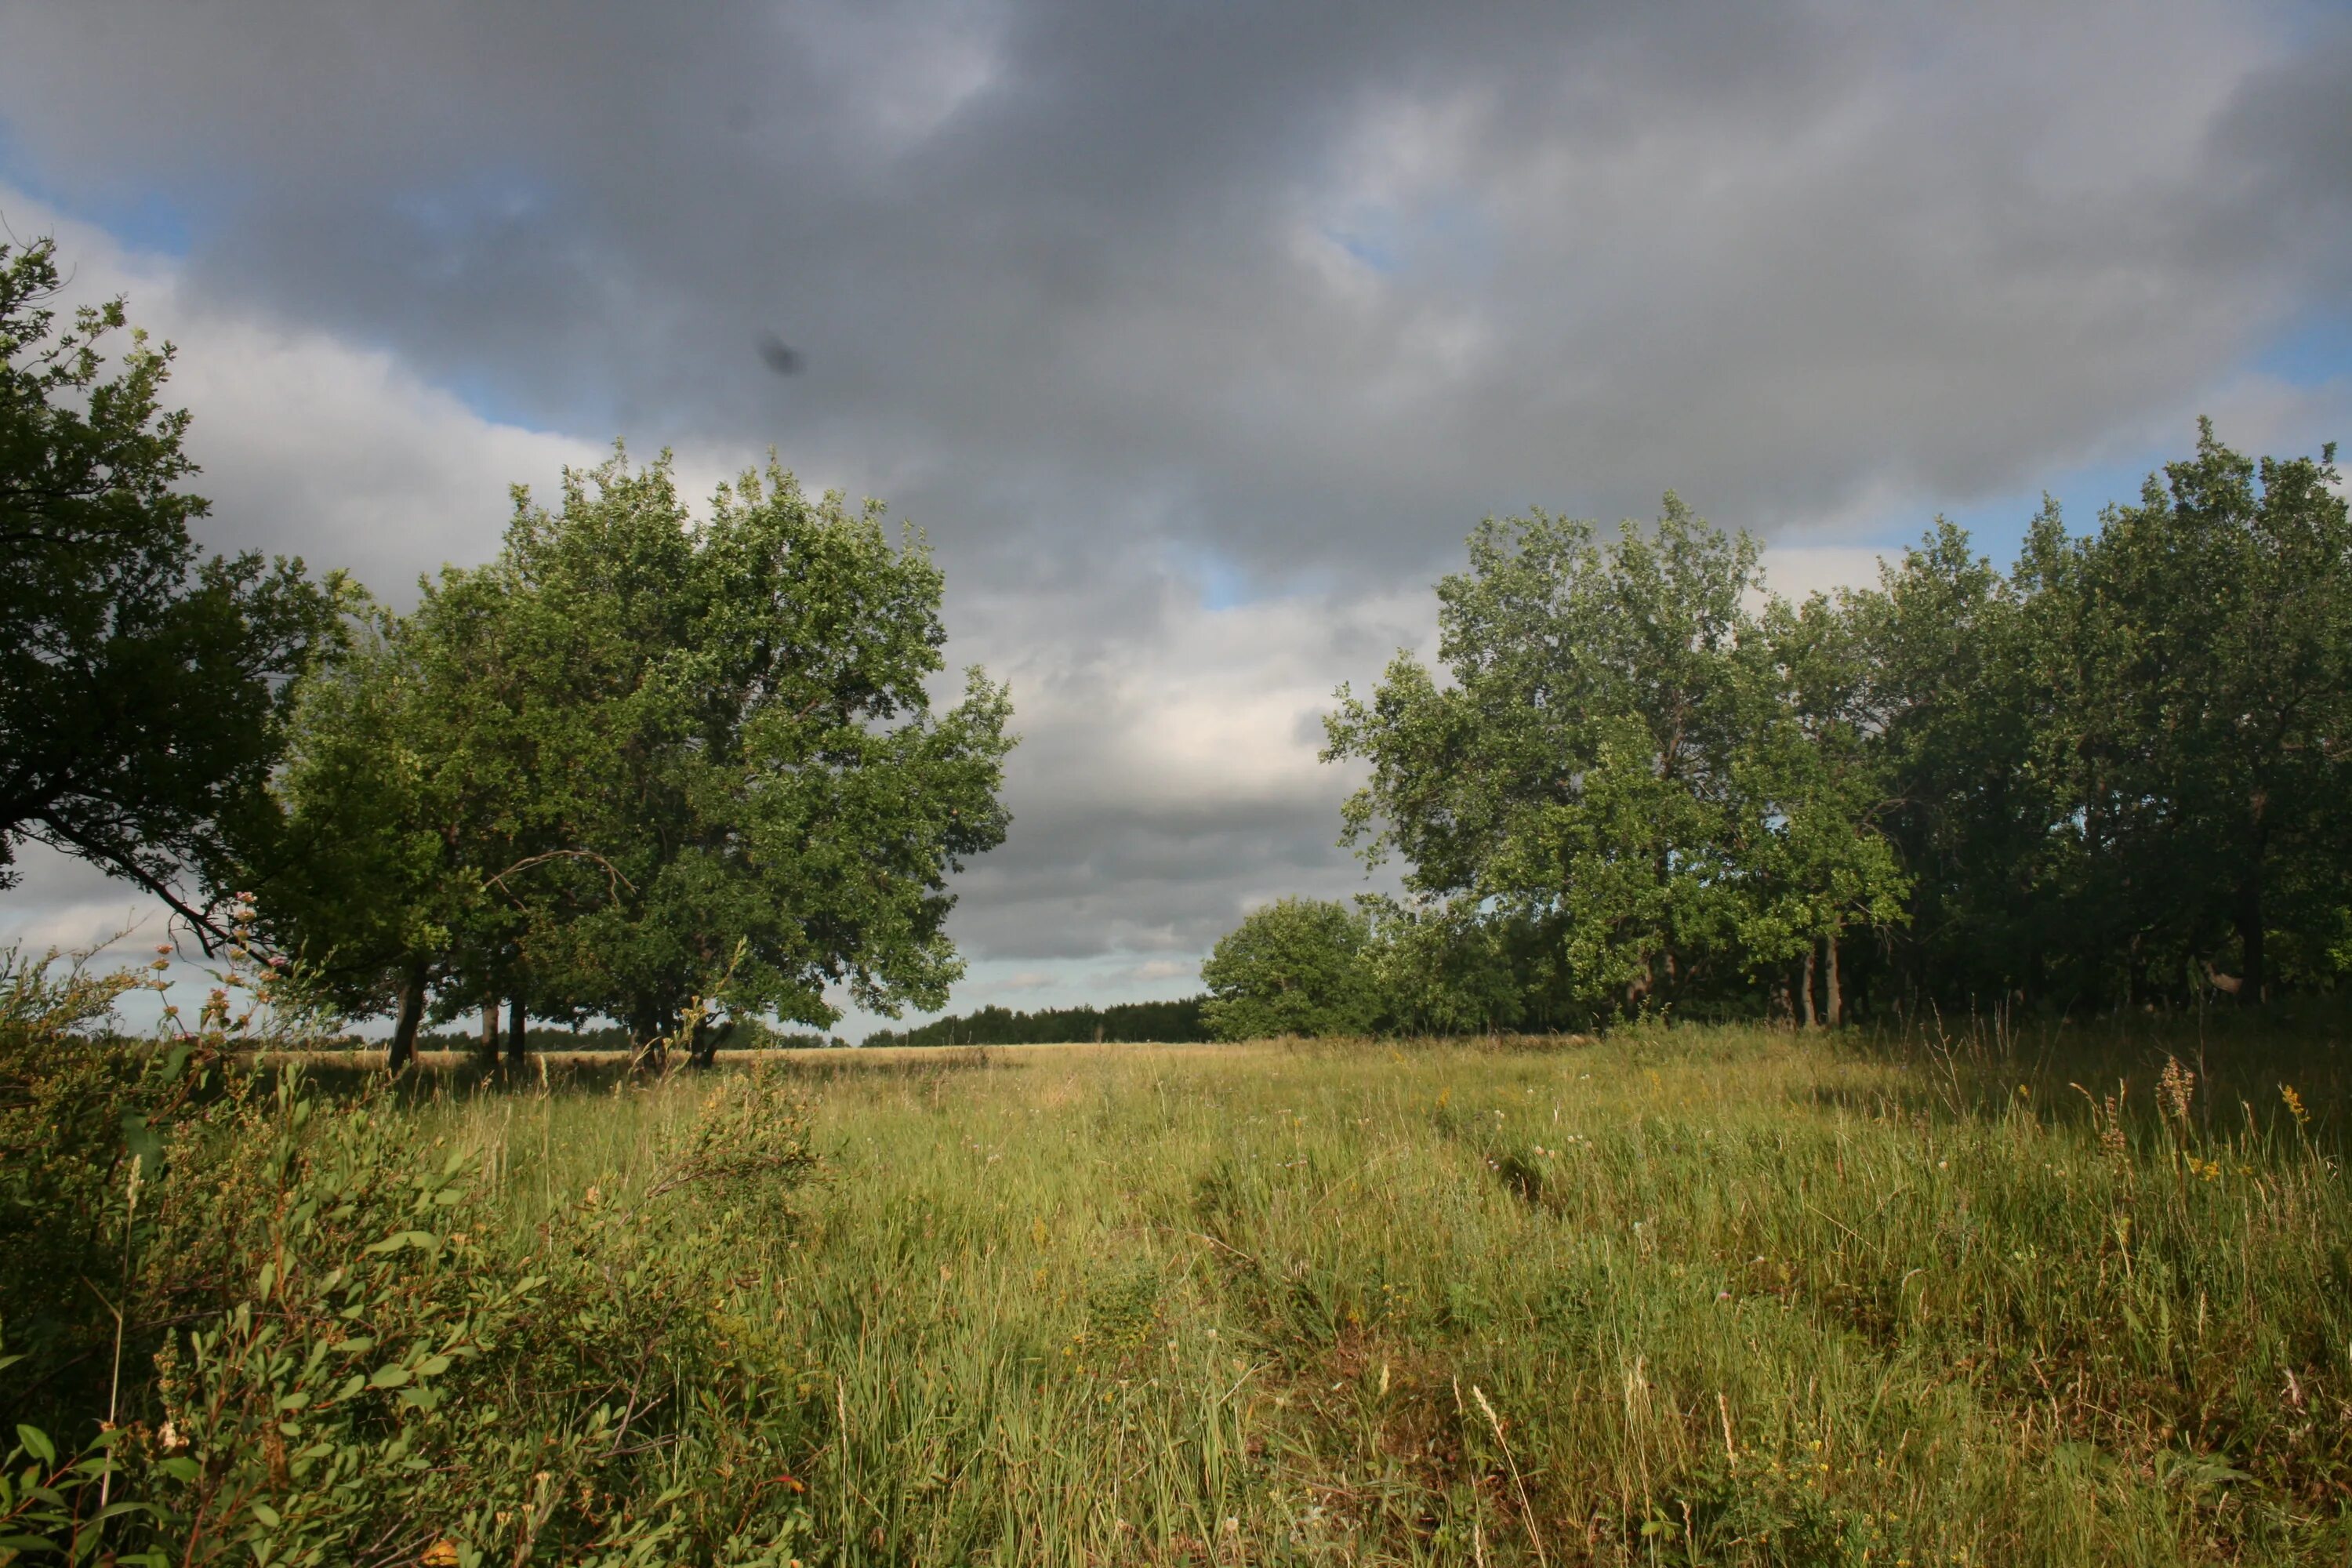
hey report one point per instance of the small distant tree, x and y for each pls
(142, 687)
(1443, 967)
(1295, 967)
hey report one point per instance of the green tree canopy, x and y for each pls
(2197, 651)
(1579, 777)
(2115, 776)
(639, 758)
(142, 687)
(1295, 967)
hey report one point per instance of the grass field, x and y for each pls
(1719, 1295)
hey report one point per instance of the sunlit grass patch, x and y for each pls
(1681, 1296)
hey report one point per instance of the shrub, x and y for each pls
(1295, 967)
(336, 1349)
(78, 1107)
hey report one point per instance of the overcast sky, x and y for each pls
(1196, 336)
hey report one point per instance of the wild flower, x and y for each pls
(2175, 1088)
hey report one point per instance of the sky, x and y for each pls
(1194, 336)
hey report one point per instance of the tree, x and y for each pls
(1576, 779)
(642, 760)
(2199, 647)
(393, 861)
(1295, 967)
(143, 690)
(1443, 967)
(1812, 861)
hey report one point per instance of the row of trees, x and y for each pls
(2117, 776)
(643, 766)
(1163, 1022)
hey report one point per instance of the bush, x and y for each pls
(1296, 967)
(78, 1107)
(337, 1349)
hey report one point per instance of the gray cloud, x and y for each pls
(1111, 299)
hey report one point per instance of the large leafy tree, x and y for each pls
(2197, 648)
(1811, 860)
(1576, 780)
(143, 687)
(400, 797)
(643, 762)
(1951, 706)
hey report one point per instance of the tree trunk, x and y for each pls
(707, 1039)
(517, 1051)
(2250, 978)
(1831, 989)
(412, 1013)
(650, 1029)
(1805, 989)
(490, 1033)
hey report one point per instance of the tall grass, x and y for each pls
(1715, 1296)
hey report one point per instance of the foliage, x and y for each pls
(1168, 1023)
(638, 760)
(2112, 778)
(84, 1118)
(340, 1352)
(2199, 650)
(1295, 967)
(142, 689)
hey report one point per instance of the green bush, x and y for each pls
(78, 1107)
(338, 1349)
(1295, 967)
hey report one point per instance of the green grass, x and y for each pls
(1720, 1296)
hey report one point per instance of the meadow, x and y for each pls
(1706, 1295)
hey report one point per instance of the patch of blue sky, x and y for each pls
(1997, 524)
(490, 400)
(1375, 250)
(1442, 233)
(2313, 351)
(141, 219)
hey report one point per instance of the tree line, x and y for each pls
(1179, 1022)
(2115, 776)
(669, 770)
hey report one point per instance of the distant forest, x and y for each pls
(1170, 1022)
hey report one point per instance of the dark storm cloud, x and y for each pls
(1089, 291)
(1777, 255)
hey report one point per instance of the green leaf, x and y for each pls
(388, 1377)
(266, 1514)
(37, 1442)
